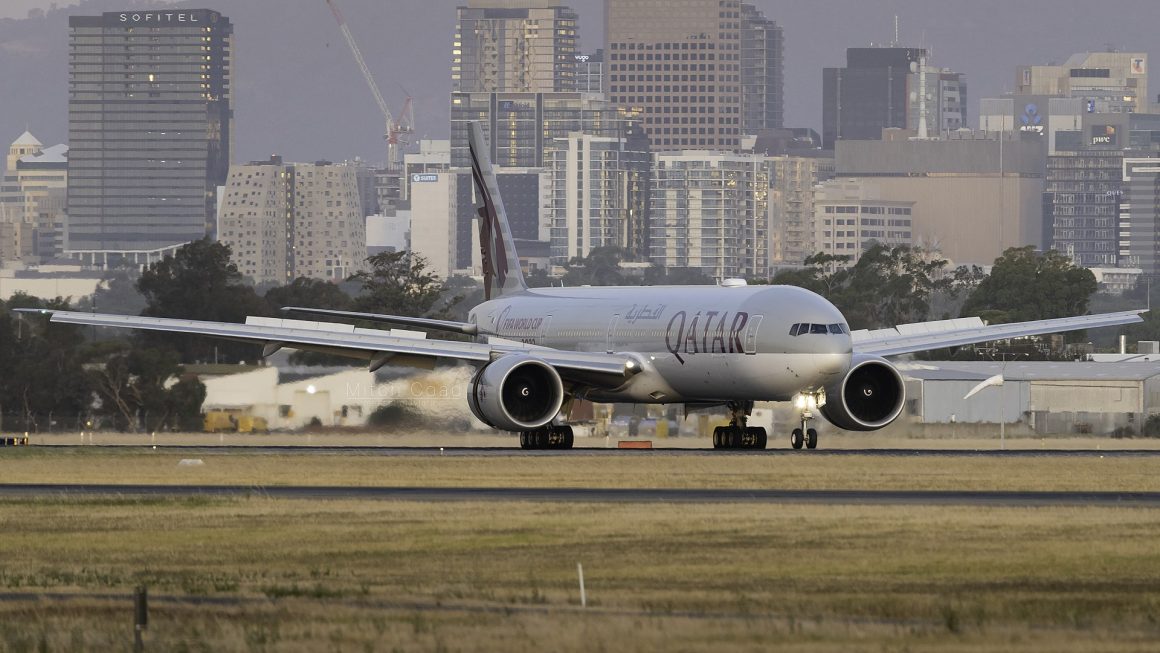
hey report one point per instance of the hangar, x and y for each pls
(1041, 397)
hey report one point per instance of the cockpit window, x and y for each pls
(802, 328)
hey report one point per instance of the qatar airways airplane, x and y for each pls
(539, 349)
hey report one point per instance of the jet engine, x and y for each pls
(516, 393)
(868, 398)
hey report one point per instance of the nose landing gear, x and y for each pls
(806, 403)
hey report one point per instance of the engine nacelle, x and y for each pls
(868, 398)
(516, 393)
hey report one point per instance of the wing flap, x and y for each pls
(924, 336)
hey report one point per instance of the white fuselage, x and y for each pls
(694, 343)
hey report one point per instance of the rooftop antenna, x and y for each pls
(896, 40)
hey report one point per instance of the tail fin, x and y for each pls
(501, 264)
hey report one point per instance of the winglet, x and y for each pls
(501, 264)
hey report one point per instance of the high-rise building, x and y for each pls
(1108, 82)
(521, 127)
(32, 200)
(680, 66)
(599, 193)
(590, 76)
(150, 119)
(521, 46)
(1140, 215)
(762, 74)
(289, 220)
(1083, 188)
(873, 92)
(711, 211)
(792, 222)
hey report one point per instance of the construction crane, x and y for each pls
(395, 128)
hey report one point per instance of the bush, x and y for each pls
(1151, 428)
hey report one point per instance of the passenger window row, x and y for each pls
(802, 328)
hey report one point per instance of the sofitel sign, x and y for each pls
(160, 17)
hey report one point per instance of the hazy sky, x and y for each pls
(299, 92)
(20, 8)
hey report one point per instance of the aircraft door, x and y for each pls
(609, 340)
(542, 336)
(751, 334)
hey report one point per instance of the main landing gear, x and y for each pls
(737, 435)
(547, 437)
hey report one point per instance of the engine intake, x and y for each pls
(868, 398)
(516, 393)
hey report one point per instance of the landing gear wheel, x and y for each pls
(756, 437)
(525, 440)
(795, 439)
(717, 444)
(566, 437)
(811, 439)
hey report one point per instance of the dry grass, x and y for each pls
(632, 469)
(380, 575)
(503, 577)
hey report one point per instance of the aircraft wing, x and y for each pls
(374, 345)
(924, 336)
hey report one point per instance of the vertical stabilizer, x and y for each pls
(501, 264)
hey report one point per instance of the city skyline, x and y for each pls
(274, 115)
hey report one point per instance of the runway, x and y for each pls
(370, 450)
(595, 495)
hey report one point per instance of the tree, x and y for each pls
(134, 390)
(600, 268)
(42, 382)
(1028, 285)
(117, 293)
(399, 283)
(308, 292)
(885, 287)
(199, 283)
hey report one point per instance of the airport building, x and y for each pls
(1036, 397)
(150, 123)
(711, 211)
(289, 220)
(514, 46)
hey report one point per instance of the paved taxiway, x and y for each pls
(598, 495)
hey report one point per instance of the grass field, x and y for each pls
(282, 575)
